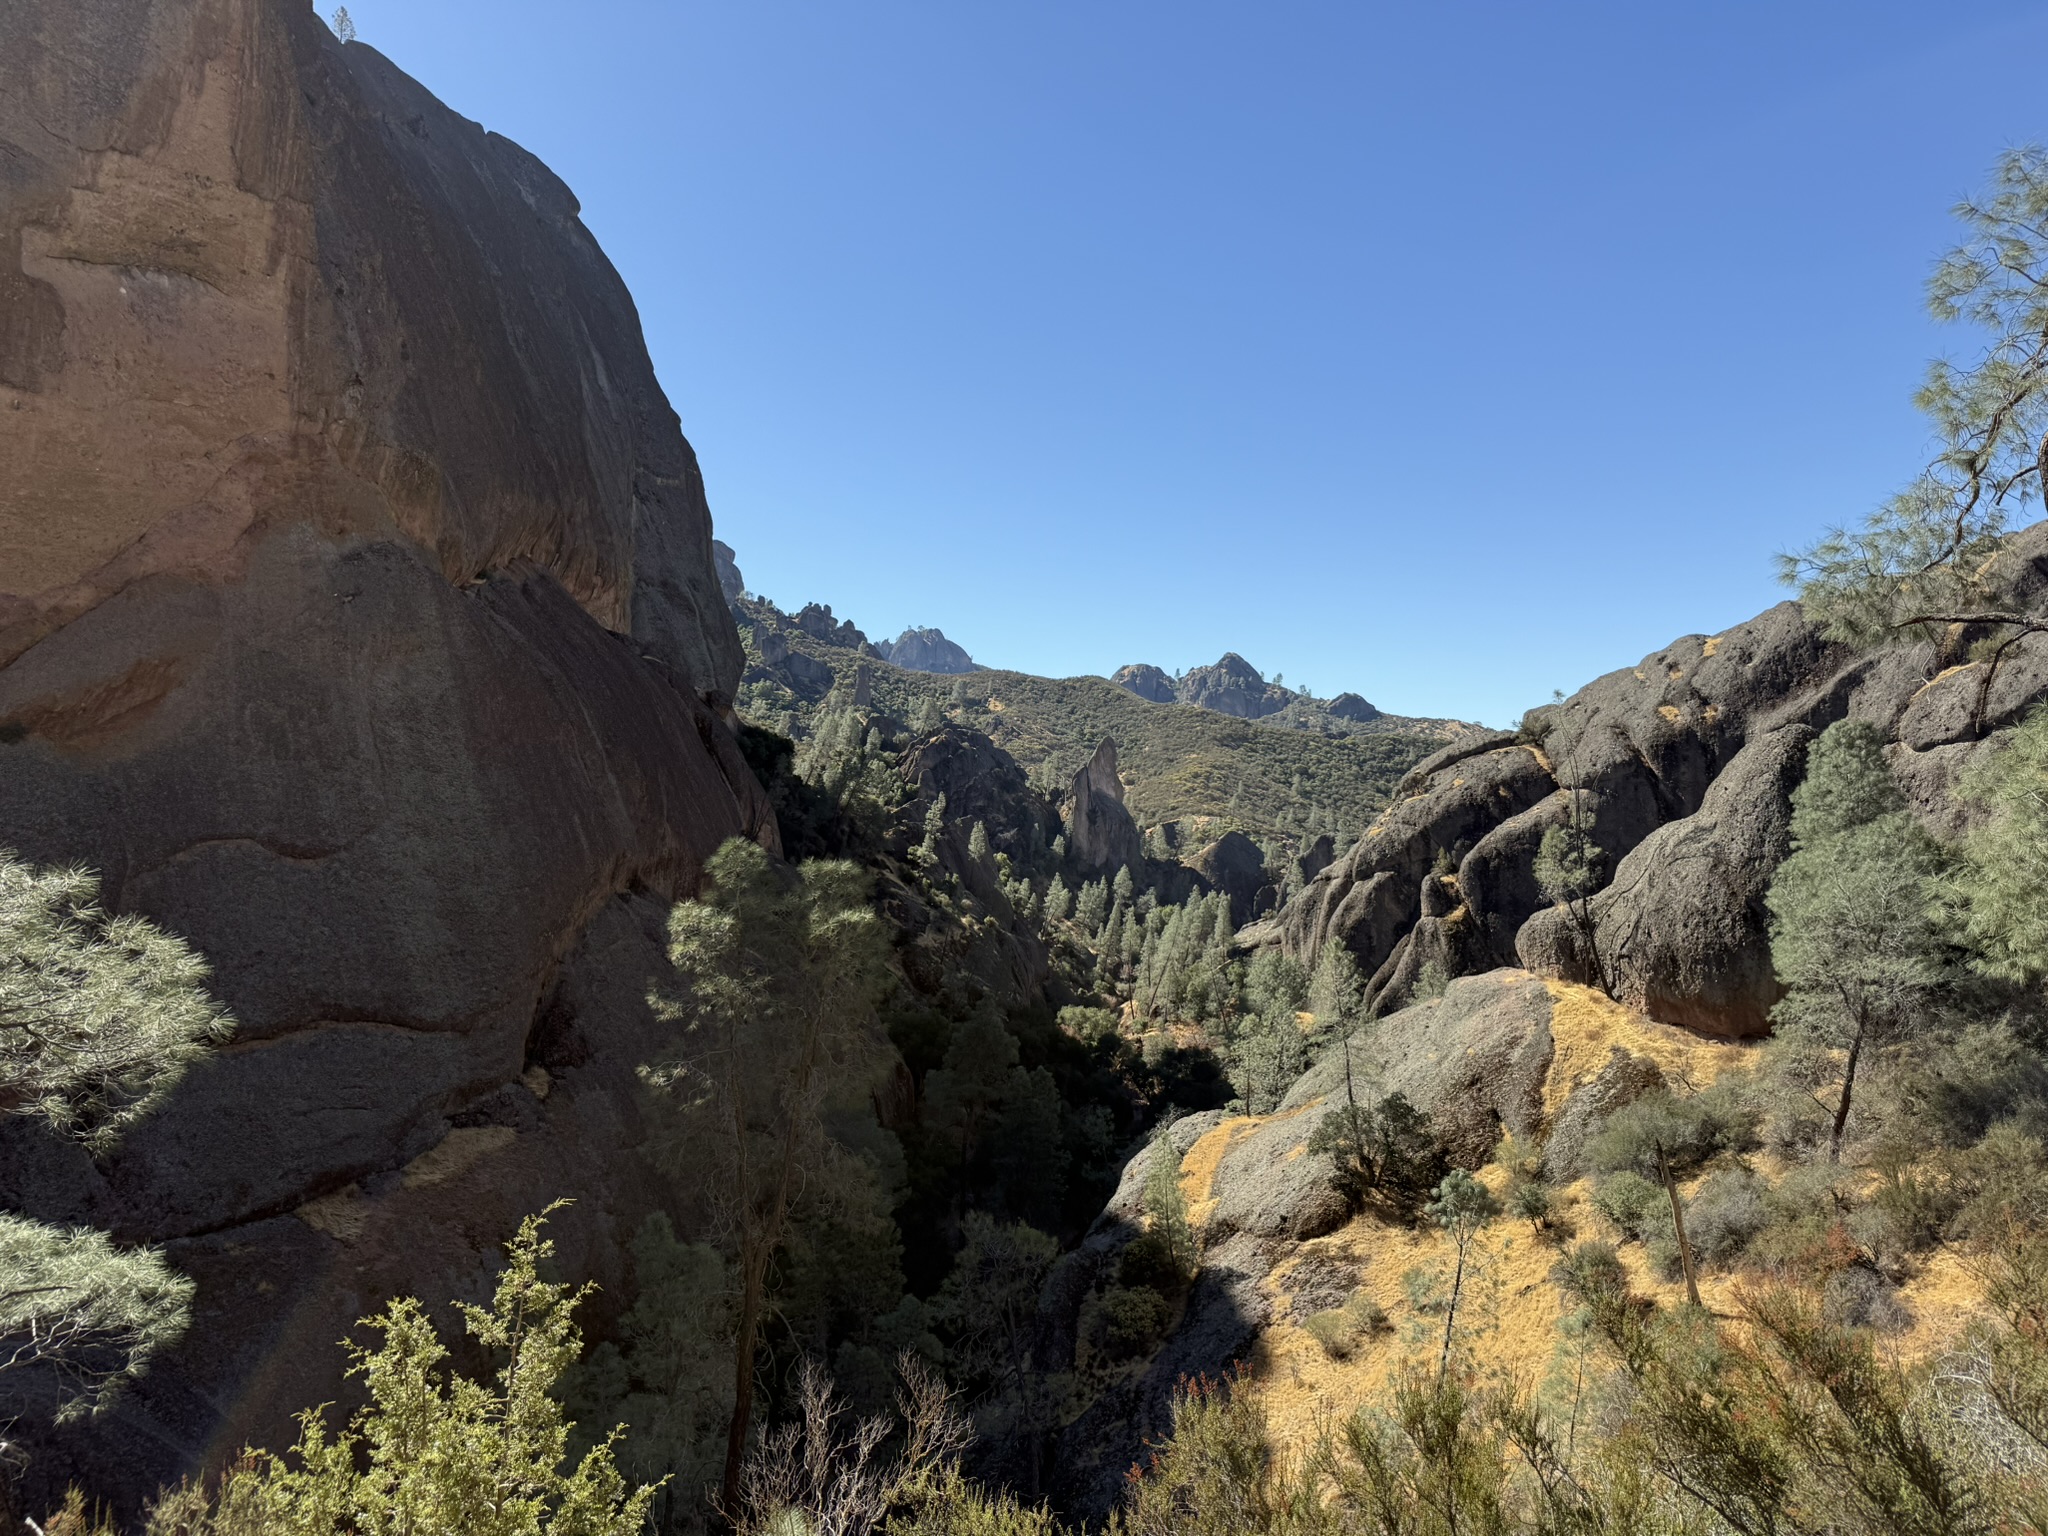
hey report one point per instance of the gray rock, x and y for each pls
(1233, 686)
(730, 582)
(1624, 1079)
(927, 650)
(1682, 932)
(363, 627)
(1101, 836)
(1146, 681)
(1235, 865)
(1350, 706)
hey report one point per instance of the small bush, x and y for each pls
(1630, 1201)
(1532, 1201)
(1859, 1297)
(1130, 1320)
(1148, 1263)
(1342, 1329)
(1687, 1131)
(1725, 1214)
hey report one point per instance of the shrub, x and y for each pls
(1629, 1200)
(1725, 1214)
(1686, 1131)
(1342, 1329)
(1149, 1263)
(1859, 1297)
(1129, 1320)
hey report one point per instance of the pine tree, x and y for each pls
(782, 981)
(1852, 938)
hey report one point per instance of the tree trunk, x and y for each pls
(752, 1279)
(1692, 1277)
(1848, 1088)
(1443, 1364)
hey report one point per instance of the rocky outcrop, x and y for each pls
(1475, 1061)
(731, 585)
(1101, 836)
(1233, 686)
(1351, 706)
(1146, 681)
(359, 619)
(1683, 767)
(1235, 865)
(927, 650)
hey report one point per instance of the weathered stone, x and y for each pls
(1146, 681)
(927, 650)
(1235, 865)
(1625, 1078)
(1351, 706)
(1682, 932)
(1101, 836)
(359, 620)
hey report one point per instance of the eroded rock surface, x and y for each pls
(359, 620)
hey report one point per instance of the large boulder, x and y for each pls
(1681, 932)
(1370, 898)
(359, 620)
(1235, 865)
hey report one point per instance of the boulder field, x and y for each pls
(359, 623)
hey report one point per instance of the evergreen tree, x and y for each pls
(100, 1017)
(782, 981)
(1851, 938)
(978, 848)
(432, 1451)
(1924, 561)
(1994, 899)
(1336, 992)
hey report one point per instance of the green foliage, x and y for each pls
(1000, 1122)
(1432, 981)
(1220, 1474)
(100, 1016)
(1660, 1128)
(1336, 990)
(80, 1318)
(433, 1451)
(1924, 559)
(783, 977)
(1382, 1152)
(989, 1302)
(1852, 938)
(1129, 1320)
(1993, 896)
(668, 1376)
(1342, 1329)
(1166, 1214)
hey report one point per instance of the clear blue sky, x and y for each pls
(1447, 352)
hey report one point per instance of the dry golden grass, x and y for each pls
(1587, 1026)
(1518, 1306)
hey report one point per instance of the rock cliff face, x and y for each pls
(358, 619)
(1684, 766)
(1101, 836)
(928, 650)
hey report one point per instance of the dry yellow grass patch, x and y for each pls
(1304, 1390)
(1712, 645)
(1587, 1025)
(1198, 1167)
(1669, 712)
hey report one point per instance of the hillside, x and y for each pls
(1272, 778)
